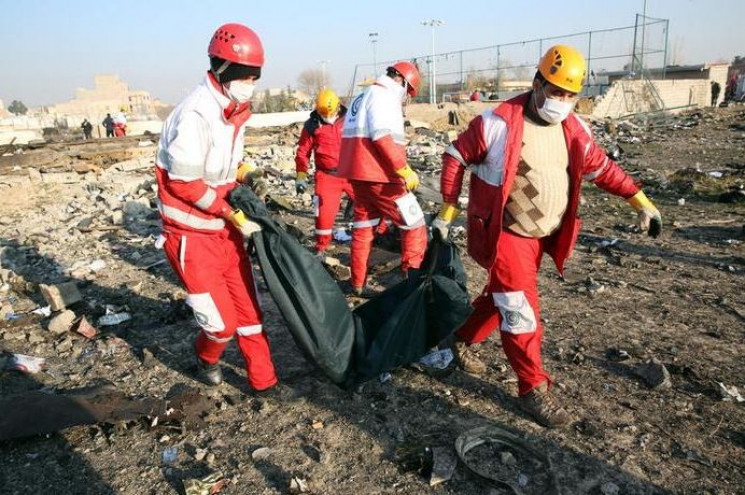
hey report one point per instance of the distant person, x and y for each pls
(120, 123)
(87, 129)
(729, 89)
(321, 136)
(715, 89)
(108, 123)
(527, 158)
(475, 96)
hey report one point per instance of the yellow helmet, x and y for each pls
(123, 108)
(327, 103)
(565, 67)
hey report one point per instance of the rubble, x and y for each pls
(61, 295)
(62, 322)
(654, 374)
(678, 298)
(85, 329)
(37, 412)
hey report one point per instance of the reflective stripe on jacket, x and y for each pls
(200, 147)
(373, 142)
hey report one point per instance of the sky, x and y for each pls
(50, 48)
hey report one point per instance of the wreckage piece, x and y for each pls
(36, 412)
(481, 435)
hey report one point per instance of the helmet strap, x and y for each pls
(221, 69)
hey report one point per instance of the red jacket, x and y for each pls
(320, 138)
(373, 141)
(492, 145)
(200, 147)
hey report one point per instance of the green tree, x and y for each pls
(17, 108)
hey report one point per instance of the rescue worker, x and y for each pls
(528, 158)
(373, 158)
(120, 123)
(321, 137)
(198, 163)
(108, 124)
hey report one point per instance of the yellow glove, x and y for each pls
(648, 219)
(301, 182)
(409, 176)
(253, 177)
(246, 171)
(242, 223)
(447, 214)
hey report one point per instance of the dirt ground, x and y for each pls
(625, 299)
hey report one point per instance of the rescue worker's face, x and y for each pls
(330, 119)
(552, 103)
(241, 90)
(405, 97)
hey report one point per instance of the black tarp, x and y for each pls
(403, 323)
(393, 329)
(310, 301)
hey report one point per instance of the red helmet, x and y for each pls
(237, 44)
(410, 74)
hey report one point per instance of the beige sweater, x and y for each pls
(540, 192)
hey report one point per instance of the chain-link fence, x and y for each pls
(500, 71)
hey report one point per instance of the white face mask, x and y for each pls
(240, 91)
(554, 111)
(330, 120)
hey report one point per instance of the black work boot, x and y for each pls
(211, 374)
(367, 291)
(277, 392)
(544, 407)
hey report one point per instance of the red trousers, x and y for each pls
(216, 272)
(120, 130)
(373, 201)
(326, 201)
(510, 301)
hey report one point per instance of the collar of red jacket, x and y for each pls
(233, 113)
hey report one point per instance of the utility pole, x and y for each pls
(323, 72)
(644, 32)
(433, 23)
(374, 39)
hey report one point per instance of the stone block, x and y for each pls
(34, 175)
(61, 295)
(62, 322)
(60, 178)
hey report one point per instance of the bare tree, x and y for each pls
(312, 80)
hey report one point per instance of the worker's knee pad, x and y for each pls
(205, 312)
(517, 314)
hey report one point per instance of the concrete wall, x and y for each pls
(719, 73)
(626, 97)
(630, 97)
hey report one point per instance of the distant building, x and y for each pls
(108, 95)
